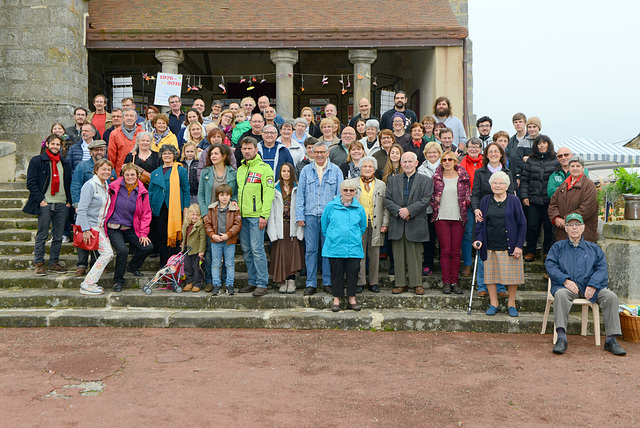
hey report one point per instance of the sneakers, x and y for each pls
(215, 290)
(291, 286)
(283, 288)
(230, 290)
(40, 271)
(91, 289)
(426, 271)
(65, 239)
(456, 288)
(56, 268)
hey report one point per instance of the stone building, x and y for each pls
(58, 54)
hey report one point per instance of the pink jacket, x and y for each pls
(142, 214)
(464, 191)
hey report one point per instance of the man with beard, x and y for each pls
(484, 125)
(74, 131)
(443, 113)
(49, 181)
(400, 101)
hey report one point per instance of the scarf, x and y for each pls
(157, 137)
(568, 180)
(55, 177)
(367, 182)
(354, 171)
(174, 223)
(417, 143)
(131, 188)
(129, 133)
(492, 169)
(228, 130)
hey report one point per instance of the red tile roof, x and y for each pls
(275, 24)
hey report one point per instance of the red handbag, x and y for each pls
(78, 239)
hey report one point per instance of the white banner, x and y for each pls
(167, 85)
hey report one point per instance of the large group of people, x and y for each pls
(331, 198)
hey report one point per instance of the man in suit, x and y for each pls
(407, 198)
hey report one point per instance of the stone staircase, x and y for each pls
(54, 300)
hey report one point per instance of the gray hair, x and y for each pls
(269, 126)
(320, 144)
(169, 148)
(576, 158)
(300, 120)
(141, 134)
(475, 141)
(372, 123)
(414, 157)
(502, 176)
(371, 159)
(129, 109)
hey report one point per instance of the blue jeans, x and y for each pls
(314, 239)
(207, 266)
(56, 214)
(218, 249)
(480, 279)
(467, 238)
(252, 241)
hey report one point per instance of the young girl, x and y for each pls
(287, 256)
(194, 236)
(189, 160)
(223, 224)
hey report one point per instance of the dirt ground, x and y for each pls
(67, 377)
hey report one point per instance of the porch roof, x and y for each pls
(207, 24)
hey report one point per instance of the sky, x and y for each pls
(575, 64)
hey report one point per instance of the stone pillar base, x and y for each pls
(622, 248)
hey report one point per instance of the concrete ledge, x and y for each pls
(7, 160)
(628, 230)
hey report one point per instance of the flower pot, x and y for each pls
(631, 206)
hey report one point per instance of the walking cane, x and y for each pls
(473, 282)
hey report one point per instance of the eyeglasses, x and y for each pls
(563, 155)
(315, 152)
(575, 225)
(484, 126)
(447, 160)
(349, 190)
(269, 132)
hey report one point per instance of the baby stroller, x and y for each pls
(172, 273)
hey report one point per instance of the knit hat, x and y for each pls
(372, 123)
(96, 144)
(535, 120)
(400, 115)
(574, 216)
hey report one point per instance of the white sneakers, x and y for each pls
(91, 289)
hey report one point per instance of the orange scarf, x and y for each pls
(174, 225)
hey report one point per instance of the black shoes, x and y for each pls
(354, 306)
(135, 272)
(374, 288)
(359, 289)
(613, 347)
(309, 291)
(561, 346)
(456, 288)
(118, 289)
(327, 289)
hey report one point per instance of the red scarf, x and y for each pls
(55, 180)
(417, 143)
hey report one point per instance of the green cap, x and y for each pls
(574, 216)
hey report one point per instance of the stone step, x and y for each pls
(527, 301)
(305, 319)
(13, 185)
(28, 223)
(15, 193)
(17, 248)
(26, 279)
(13, 213)
(8, 235)
(12, 203)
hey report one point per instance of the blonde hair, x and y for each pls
(193, 208)
(432, 145)
(327, 121)
(336, 125)
(188, 137)
(188, 144)
(312, 114)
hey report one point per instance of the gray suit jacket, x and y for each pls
(416, 229)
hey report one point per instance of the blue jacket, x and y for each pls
(515, 222)
(282, 156)
(586, 265)
(342, 228)
(314, 195)
(74, 155)
(81, 174)
(159, 189)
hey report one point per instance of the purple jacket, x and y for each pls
(464, 191)
(142, 214)
(515, 222)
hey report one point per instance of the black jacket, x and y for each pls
(482, 188)
(535, 177)
(38, 177)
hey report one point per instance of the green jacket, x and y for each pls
(255, 188)
(557, 178)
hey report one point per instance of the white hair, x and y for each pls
(500, 175)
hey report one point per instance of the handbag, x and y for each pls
(144, 175)
(78, 239)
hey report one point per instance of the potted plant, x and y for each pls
(627, 185)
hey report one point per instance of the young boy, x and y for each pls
(195, 237)
(222, 224)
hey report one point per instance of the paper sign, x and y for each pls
(167, 85)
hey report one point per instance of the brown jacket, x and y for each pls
(582, 198)
(234, 223)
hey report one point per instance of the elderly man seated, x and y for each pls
(578, 269)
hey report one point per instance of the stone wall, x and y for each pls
(43, 70)
(461, 11)
(622, 247)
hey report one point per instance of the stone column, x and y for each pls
(170, 59)
(284, 59)
(362, 60)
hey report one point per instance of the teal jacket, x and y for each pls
(255, 188)
(205, 187)
(342, 228)
(159, 189)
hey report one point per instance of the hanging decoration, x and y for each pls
(325, 80)
(242, 79)
(348, 81)
(301, 83)
(263, 80)
(146, 77)
(360, 77)
(221, 86)
(375, 81)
